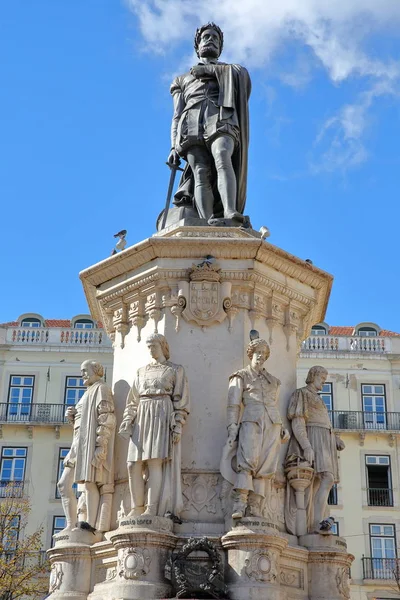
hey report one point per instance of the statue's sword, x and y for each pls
(174, 168)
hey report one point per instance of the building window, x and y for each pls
(20, 394)
(10, 533)
(74, 390)
(318, 330)
(31, 322)
(374, 406)
(379, 481)
(335, 528)
(333, 496)
(383, 550)
(84, 324)
(12, 471)
(367, 332)
(59, 523)
(327, 396)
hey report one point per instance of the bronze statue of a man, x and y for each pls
(210, 130)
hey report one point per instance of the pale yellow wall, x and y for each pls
(43, 441)
(347, 373)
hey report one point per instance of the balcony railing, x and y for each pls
(380, 497)
(381, 568)
(32, 413)
(55, 336)
(332, 343)
(26, 559)
(12, 489)
(365, 421)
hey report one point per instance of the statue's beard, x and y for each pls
(209, 51)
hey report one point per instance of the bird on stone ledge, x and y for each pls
(326, 524)
(121, 244)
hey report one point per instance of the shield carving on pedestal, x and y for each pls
(204, 299)
(204, 296)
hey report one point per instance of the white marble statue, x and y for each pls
(90, 461)
(314, 444)
(256, 436)
(156, 410)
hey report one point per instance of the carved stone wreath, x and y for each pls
(261, 566)
(190, 579)
(134, 563)
(342, 582)
(56, 577)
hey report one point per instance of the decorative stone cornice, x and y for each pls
(141, 282)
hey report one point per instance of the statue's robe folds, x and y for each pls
(158, 399)
(94, 426)
(310, 420)
(204, 109)
(259, 437)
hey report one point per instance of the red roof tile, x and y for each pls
(339, 330)
(62, 323)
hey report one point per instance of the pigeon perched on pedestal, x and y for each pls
(326, 524)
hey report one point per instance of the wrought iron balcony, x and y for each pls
(334, 343)
(365, 421)
(26, 559)
(28, 414)
(381, 568)
(380, 497)
(12, 489)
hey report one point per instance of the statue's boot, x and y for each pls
(151, 510)
(240, 504)
(136, 512)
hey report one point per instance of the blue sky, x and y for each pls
(85, 114)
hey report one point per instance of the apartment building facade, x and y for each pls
(40, 375)
(362, 394)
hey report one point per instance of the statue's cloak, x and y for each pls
(234, 92)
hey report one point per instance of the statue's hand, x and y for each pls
(232, 433)
(176, 437)
(125, 430)
(67, 459)
(173, 158)
(99, 456)
(340, 445)
(199, 71)
(309, 455)
(285, 436)
(70, 413)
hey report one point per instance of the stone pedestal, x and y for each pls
(254, 561)
(205, 307)
(328, 567)
(143, 546)
(70, 571)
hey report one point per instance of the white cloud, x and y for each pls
(337, 34)
(340, 139)
(255, 29)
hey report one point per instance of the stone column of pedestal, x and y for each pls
(328, 567)
(253, 566)
(70, 571)
(143, 546)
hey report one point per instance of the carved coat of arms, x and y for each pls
(205, 297)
